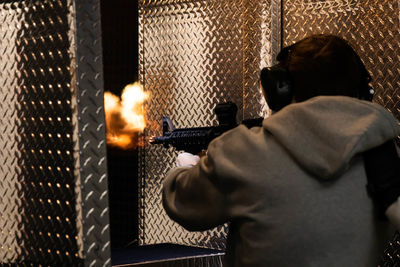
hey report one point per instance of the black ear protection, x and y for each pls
(278, 85)
(276, 82)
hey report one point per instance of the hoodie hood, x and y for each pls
(324, 133)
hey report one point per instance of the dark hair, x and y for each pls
(324, 65)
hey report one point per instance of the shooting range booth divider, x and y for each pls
(192, 55)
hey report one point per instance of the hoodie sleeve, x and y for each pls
(192, 198)
(382, 166)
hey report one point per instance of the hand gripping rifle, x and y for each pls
(194, 140)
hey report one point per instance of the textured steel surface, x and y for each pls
(193, 55)
(10, 184)
(371, 26)
(38, 201)
(391, 255)
(52, 135)
(92, 142)
(198, 261)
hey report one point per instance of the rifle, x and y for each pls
(194, 140)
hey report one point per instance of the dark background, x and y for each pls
(119, 20)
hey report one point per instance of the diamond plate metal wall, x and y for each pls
(11, 183)
(53, 197)
(371, 26)
(193, 55)
(38, 189)
(91, 135)
(201, 261)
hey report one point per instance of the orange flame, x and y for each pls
(125, 117)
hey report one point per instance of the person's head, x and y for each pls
(317, 65)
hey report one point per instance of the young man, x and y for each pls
(294, 190)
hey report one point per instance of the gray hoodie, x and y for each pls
(293, 190)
